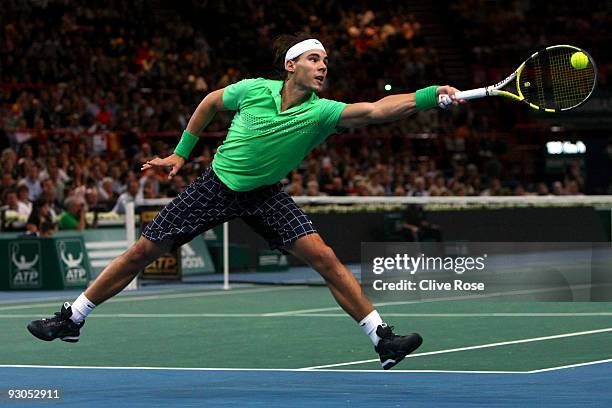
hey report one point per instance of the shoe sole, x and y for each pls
(390, 363)
(69, 339)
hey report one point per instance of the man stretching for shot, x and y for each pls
(275, 126)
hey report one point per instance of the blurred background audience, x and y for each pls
(90, 91)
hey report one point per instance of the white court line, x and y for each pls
(564, 367)
(261, 369)
(500, 314)
(301, 370)
(334, 315)
(151, 315)
(60, 297)
(482, 346)
(442, 299)
(167, 296)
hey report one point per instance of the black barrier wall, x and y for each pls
(344, 232)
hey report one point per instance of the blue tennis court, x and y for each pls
(135, 387)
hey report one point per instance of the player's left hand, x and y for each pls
(174, 160)
(446, 96)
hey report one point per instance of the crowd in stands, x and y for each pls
(91, 67)
(81, 85)
(501, 35)
(368, 172)
(57, 186)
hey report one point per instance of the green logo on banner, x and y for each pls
(190, 259)
(25, 268)
(72, 256)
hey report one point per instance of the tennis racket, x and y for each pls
(555, 79)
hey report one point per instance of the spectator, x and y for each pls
(78, 175)
(115, 175)
(40, 221)
(327, 176)
(148, 191)
(495, 188)
(92, 200)
(23, 196)
(11, 203)
(295, 188)
(73, 216)
(144, 155)
(54, 172)
(312, 189)
(31, 181)
(419, 189)
(107, 197)
(519, 190)
(337, 187)
(9, 161)
(375, 188)
(558, 189)
(361, 187)
(49, 196)
(47, 228)
(7, 182)
(439, 186)
(177, 185)
(93, 204)
(416, 227)
(573, 188)
(150, 177)
(132, 194)
(542, 189)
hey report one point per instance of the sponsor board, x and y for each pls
(72, 262)
(25, 266)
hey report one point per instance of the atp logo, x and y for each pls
(72, 256)
(25, 270)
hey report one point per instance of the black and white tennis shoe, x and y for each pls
(58, 327)
(393, 348)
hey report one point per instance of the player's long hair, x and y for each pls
(281, 45)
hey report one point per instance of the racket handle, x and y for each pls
(472, 94)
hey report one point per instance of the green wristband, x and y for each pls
(186, 144)
(426, 98)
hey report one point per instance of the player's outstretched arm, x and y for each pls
(206, 110)
(203, 115)
(393, 107)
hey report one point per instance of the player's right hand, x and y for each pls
(174, 160)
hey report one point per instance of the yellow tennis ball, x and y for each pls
(579, 60)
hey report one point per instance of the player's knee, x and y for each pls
(324, 259)
(143, 252)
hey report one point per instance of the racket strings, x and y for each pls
(549, 80)
(539, 83)
(531, 82)
(570, 85)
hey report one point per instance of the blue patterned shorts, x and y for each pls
(207, 202)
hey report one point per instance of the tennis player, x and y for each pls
(275, 125)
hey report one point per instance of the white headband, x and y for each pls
(301, 47)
